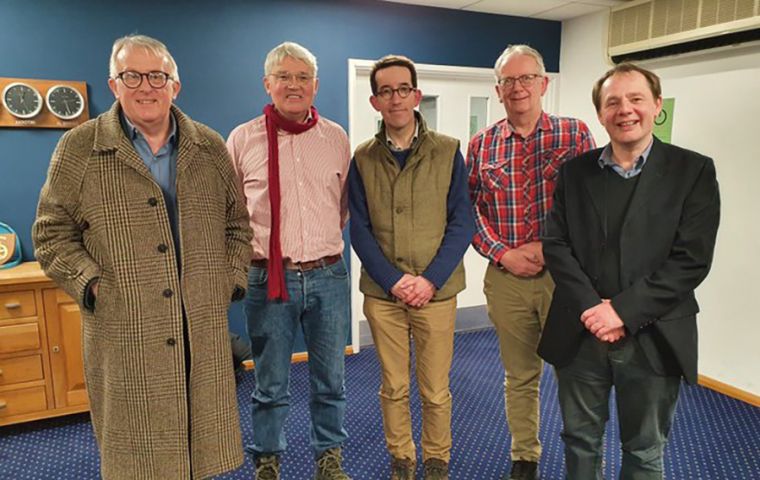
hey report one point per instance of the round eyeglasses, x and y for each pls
(386, 93)
(133, 79)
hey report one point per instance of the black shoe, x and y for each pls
(523, 470)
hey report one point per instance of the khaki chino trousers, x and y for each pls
(393, 325)
(518, 306)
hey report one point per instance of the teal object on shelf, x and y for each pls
(10, 247)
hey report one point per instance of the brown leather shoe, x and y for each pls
(267, 467)
(402, 469)
(436, 469)
(330, 465)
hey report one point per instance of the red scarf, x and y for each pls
(276, 288)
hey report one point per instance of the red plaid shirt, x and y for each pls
(512, 178)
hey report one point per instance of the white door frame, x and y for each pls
(442, 72)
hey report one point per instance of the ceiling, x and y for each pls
(544, 9)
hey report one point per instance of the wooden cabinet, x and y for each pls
(64, 335)
(41, 373)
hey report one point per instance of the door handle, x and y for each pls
(13, 305)
(56, 349)
(3, 404)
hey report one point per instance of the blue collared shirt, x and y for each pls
(606, 160)
(163, 167)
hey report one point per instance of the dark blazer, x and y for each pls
(666, 248)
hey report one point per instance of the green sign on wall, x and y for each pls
(663, 124)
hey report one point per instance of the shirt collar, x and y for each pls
(395, 148)
(606, 160)
(544, 123)
(283, 133)
(132, 131)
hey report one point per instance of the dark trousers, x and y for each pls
(645, 402)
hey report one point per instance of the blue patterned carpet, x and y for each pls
(714, 437)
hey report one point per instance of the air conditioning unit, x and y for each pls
(649, 29)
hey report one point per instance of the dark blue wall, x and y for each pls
(220, 48)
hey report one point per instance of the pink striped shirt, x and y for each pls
(313, 171)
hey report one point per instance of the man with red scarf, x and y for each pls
(292, 165)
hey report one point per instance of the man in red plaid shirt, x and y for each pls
(512, 167)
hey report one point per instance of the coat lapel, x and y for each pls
(650, 178)
(595, 186)
(109, 136)
(127, 154)
(189, 139)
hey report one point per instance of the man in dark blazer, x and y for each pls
(630, 236)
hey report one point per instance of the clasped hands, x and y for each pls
(526, 260)
(415, 291)
(603, 321)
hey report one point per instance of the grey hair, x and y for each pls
(150, 44)
(519, 49)
(289, 49)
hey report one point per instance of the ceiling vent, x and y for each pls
(649, 29)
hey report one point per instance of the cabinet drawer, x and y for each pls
(20, 369)
(17, 338)
(17, 304)
(27, 400)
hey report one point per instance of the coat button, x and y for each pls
(399, 209)
(85, 225)
(399, 259)
(162, 248)
(152, 201)
(168, 293)
(171, 342)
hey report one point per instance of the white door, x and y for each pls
(457, 101)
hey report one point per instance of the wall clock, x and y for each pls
(33, 103)
(22, 100)
(64, 102)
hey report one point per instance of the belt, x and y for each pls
(302, 266)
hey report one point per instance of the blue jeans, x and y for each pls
(319, 304)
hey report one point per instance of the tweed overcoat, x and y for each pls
(101, 214)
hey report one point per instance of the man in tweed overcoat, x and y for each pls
(141, 222)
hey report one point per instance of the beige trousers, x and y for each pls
(518, 306)
(393, 324)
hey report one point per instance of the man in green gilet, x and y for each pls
(411, 223)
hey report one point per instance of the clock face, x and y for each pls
(64, 102)
(21, 100)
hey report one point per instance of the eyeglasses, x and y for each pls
(386, 93)
(133, 79)
(526, 80)
(300, 79)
